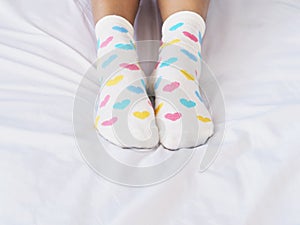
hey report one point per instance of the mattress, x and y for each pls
(248, 174)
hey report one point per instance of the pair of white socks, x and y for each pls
(124, 114)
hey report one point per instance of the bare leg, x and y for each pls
(124, 8)
(168, 7)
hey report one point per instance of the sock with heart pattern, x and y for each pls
(181, 115)
(124, 114)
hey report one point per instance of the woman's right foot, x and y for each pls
(124, 114)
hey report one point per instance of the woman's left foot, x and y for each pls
(181, 115)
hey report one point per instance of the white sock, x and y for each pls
(124, 114)
(182, 118)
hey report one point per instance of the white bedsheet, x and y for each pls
(253, 48)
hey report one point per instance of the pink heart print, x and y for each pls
(109, 122)
(173, 116)
(171, 87)
(190, 36)
(105, 100)
(129, 66)
(106, 42)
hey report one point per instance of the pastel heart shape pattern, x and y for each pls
(171, 87)
(198, 96)
(170, 43)
(120, 29)
(157, 82)
(109, 60)
(190, 36)
(176, 26)
(173, 116)
(114, 80)
(204, 119)
(143, 83)
(168, 62)
(129, 66)
(200, 38)
(109, 122)
(187, 103)
(158, 108)
(187, 75)
(121, 105)
(141, 115)
(106, 42)
(105, 100)
(189, 55)
(98, 43)
(135, 89)
(124, 46)
(96, 121)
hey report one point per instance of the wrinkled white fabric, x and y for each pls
(252, 47)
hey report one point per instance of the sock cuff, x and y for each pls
(190, 18)
(121, 24)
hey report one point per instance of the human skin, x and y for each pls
(128, 8)
(124, 8)
(168, 7)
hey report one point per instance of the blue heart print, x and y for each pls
(187, 103)
(168, 62)
(188, 54)
(125, 46)
(198, 96)
(143, 83)
(134, 89)
(109, 60)
(120, 29)
(200, 37)
(121, 105)
(156, 85)
(176, 26)
(98, 43)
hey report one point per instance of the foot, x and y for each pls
(124, 113)
(181, 115)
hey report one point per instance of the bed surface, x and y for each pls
(253, 48)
